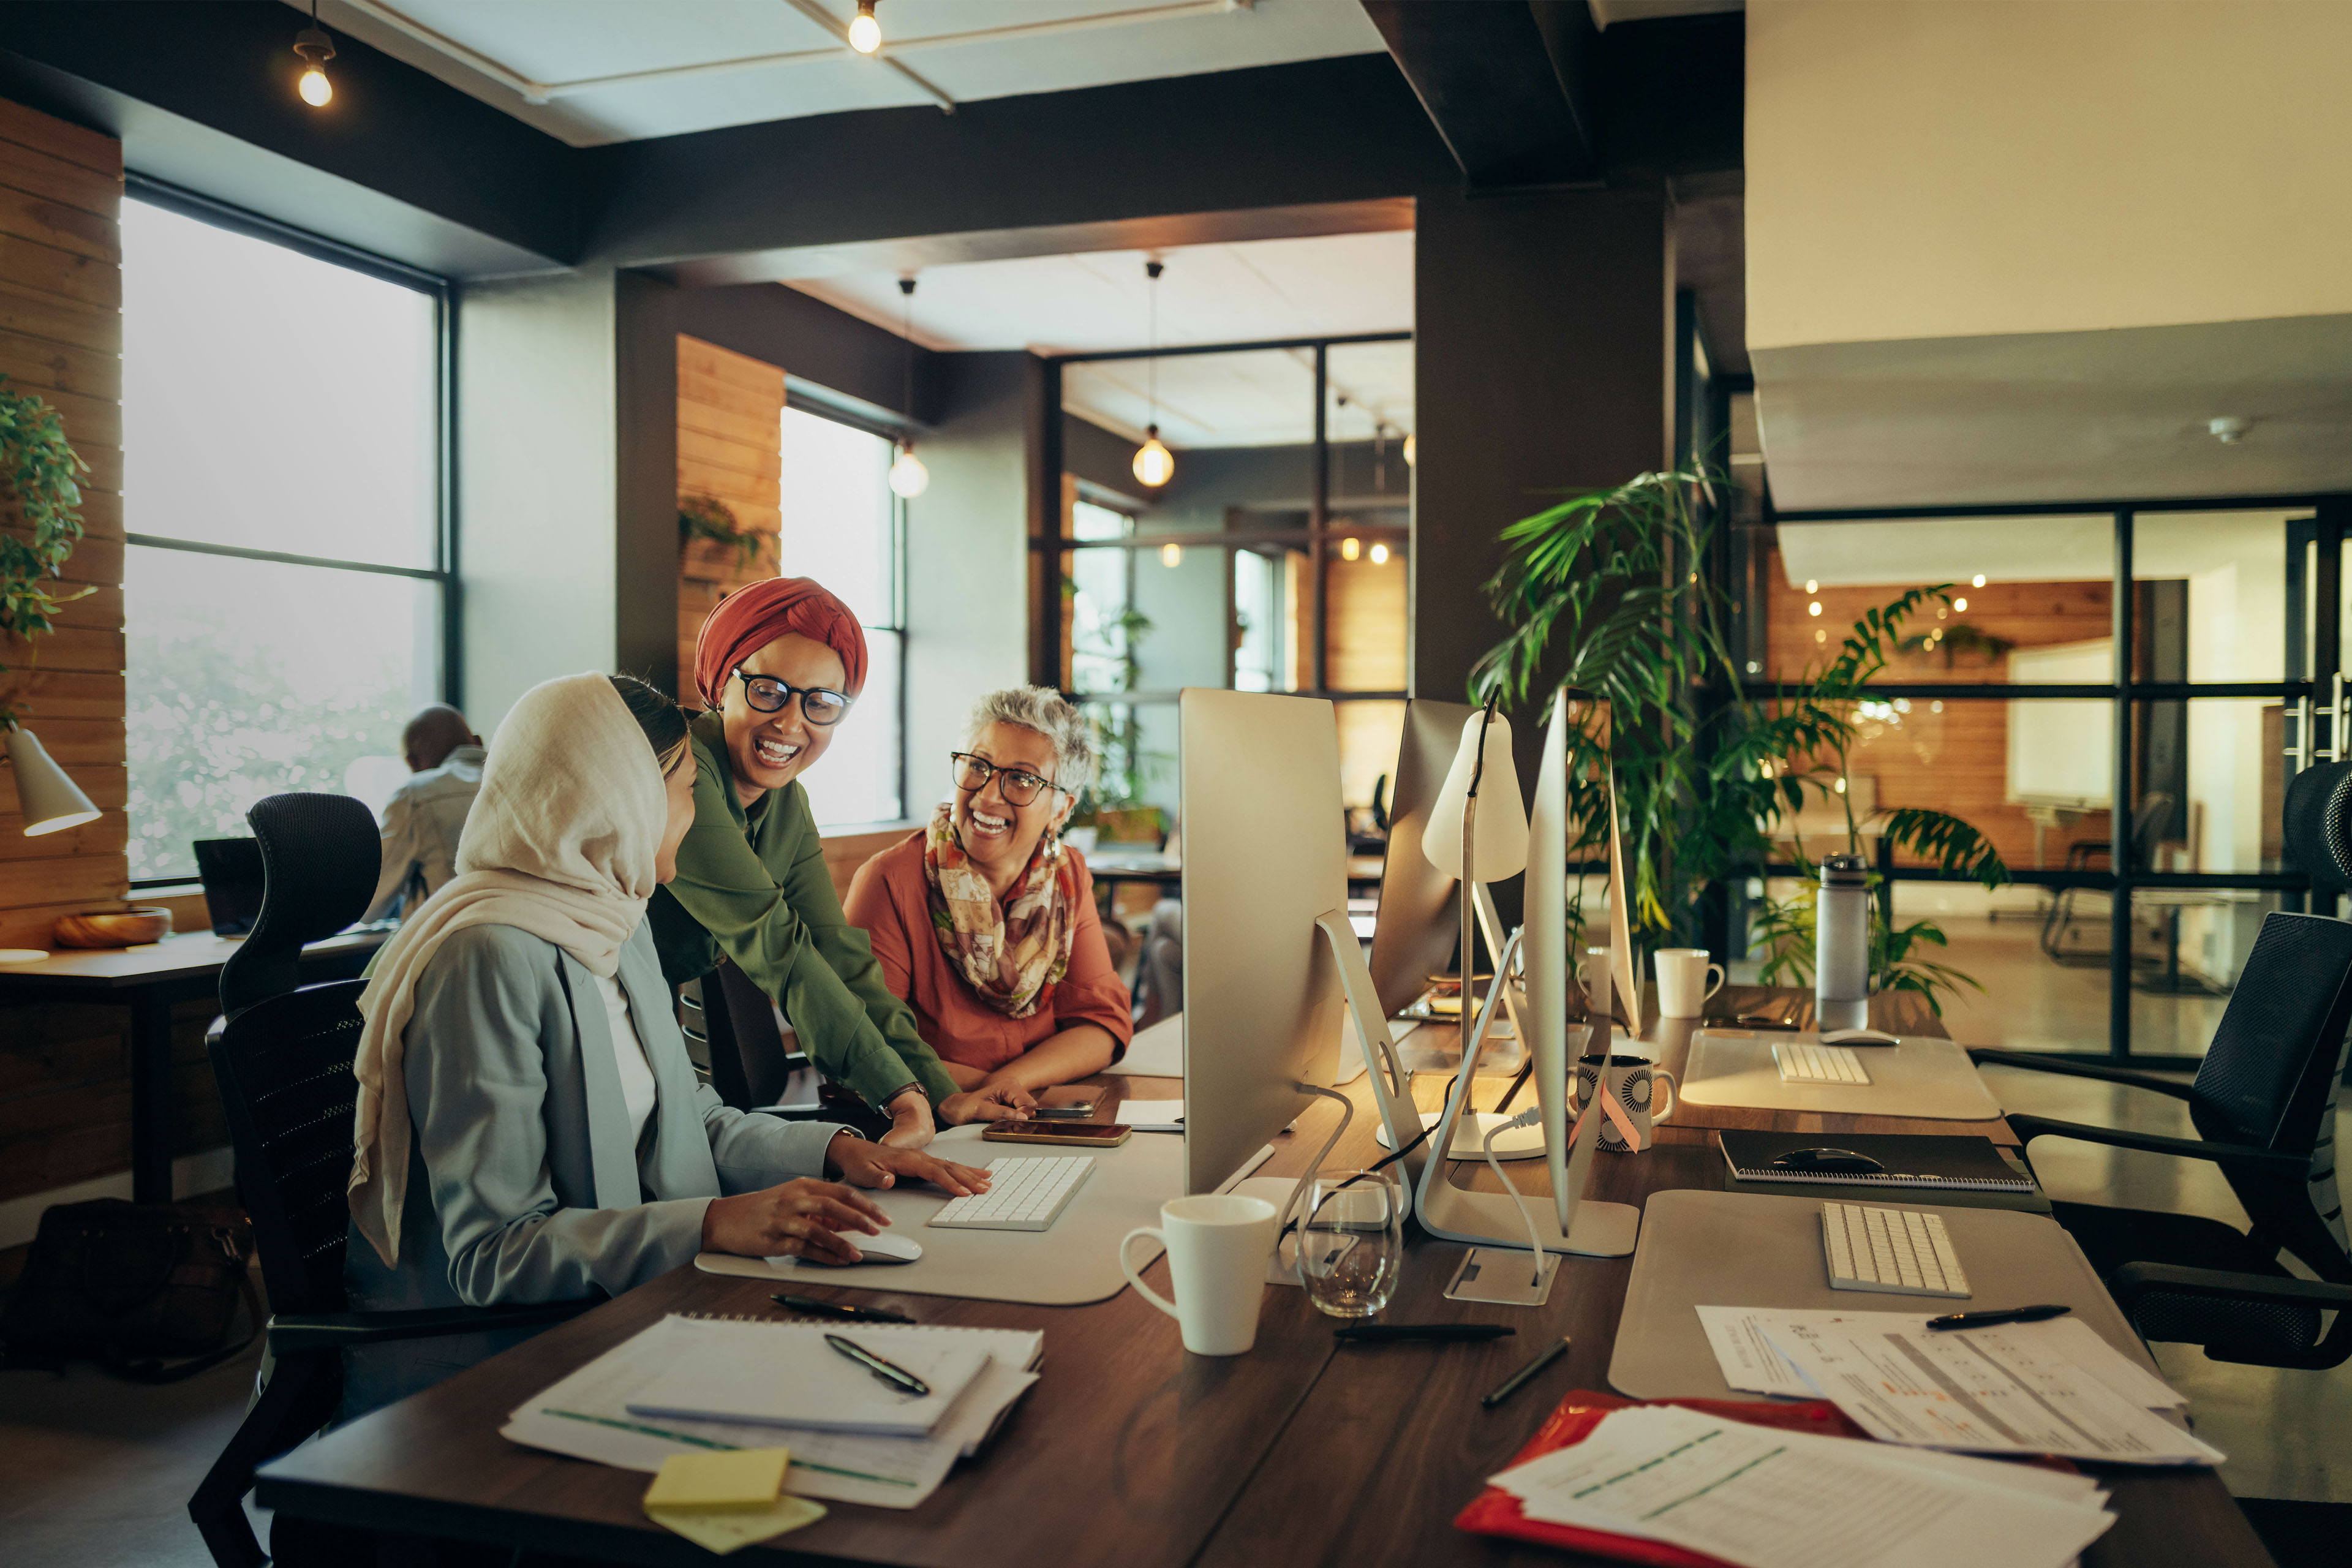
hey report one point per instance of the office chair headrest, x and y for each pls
(320, 856)
(2317, 825)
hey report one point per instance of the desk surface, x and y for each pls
(180, 956)
(1128, 1451)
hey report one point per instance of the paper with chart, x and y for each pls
(1764, 1497)
(2008, 1389)
(586, 1416)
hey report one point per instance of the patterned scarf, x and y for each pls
(1014, 953)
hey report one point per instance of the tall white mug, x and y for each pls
(1686, 980)
(1217, 1247)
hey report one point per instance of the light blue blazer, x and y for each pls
(523, 1181)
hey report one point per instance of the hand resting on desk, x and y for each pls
(803, 1218)
(868, 1165)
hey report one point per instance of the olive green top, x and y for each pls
(754, 886)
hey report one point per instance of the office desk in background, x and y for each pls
(149, 979)
(1129, 1453)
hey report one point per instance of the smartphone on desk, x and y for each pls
(1089, 1135)
(1069, 1110)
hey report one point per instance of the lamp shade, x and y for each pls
(1502, 846)
(48, 800)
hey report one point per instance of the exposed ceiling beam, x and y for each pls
(1505, 82)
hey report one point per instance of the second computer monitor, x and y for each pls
(1266, 854)
(1420, 921)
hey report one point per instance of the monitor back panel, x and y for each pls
(1420, 921)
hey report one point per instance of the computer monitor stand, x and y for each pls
(1470, 1138)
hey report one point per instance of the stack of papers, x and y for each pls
(591, 1415)
(1152, 1115)
(1764, 1497)
(2051, 1387)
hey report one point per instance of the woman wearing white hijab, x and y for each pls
(530, 1128)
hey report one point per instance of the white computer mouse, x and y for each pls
(886, 1248)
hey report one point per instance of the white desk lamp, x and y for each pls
(47, 800)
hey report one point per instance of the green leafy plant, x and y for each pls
(40, 470)
(709, 517)
(1605, 589)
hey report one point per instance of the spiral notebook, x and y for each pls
(1964, 1163)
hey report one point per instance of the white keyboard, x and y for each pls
(1023, 1193)
(1801, 1061)
(1900, 1251)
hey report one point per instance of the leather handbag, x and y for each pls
(132, 1285)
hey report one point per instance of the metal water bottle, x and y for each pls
(1842, 945)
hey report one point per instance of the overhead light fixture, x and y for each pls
(2229, 430)
(1812, 585)
(1961, 605)
(1171, 555)
(1408, 451)
(1380, 554)
(1978, 581)
(909, 477)
(1349, 549)
(47, 800)
(316, 49)
(864, 32)
(1155, 465)
(1814, 608)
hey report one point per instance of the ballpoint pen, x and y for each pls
(1527, 1373)
(1987, 1320)
(1389, 1333)
(817, 1309)
(897, 1376)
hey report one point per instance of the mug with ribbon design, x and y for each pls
(1627, 1086)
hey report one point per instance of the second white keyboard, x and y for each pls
(1801, 1061)
(1901, 1251)
(1023, 1193)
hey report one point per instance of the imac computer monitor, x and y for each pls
(1420, 920)
(1265, 856)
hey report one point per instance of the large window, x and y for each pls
(284, 581)
(842, 526)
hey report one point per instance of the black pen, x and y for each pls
(1389, 1333)
(817, 1309)
(1987, 1320)
(1526, 1375)
(889, 1372)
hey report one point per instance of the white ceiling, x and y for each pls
(2026, 548)
(619, 70)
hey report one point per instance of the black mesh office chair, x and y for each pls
(282, 1054)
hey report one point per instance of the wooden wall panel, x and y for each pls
(64, 1073)
(730, 409)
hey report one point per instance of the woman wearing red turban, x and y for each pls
(779, 666)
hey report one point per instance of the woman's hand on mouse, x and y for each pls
(868, 1165)
(798, 1219)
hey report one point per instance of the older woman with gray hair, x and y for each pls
(984, 922)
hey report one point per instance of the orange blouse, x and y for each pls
(891, 898)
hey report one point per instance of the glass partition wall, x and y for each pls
(2116, 697)
(1274, 558)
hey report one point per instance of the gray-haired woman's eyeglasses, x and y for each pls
(818, 706)
(1018, 786)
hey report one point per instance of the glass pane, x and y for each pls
(857, 778)
(1180, 635)
(2033, 598)
(1265, 621)
(1104, 629)
(2211, 601)
(1365, 614)
(2211, 784)
(227, 705)
(1136, 744)
(1368, 735)
(273, 401)
(1369, 420)
(840, 519)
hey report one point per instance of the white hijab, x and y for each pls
(561, 842)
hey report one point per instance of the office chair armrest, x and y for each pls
(2034, 1062)
(2242, 1156)
(2133, 1280)
(294, 1334)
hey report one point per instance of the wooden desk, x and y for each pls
(1128, 1451)
(149, 978)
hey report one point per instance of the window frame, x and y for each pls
(443, 573)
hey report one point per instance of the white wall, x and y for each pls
(536, 390)
(1927, 170)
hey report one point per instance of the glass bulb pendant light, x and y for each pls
(909, 477)
(316, 50)
(1155, 465)
(864, 32)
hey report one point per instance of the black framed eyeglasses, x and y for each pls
(1018, 786)
(819, 706)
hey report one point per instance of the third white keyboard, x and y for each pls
(1901, 1251)
(1802, 1062)
(1023, 1193)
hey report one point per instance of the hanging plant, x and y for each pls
(709, 517)
(38, 468)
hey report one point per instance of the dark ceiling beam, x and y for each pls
(1504, 81)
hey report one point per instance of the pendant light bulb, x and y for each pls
(909, 477)
(1155, 465)
(864, 32)
(316, 50)
(1408, 451)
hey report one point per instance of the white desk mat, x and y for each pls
(1159, 1052)
(1930, 1079)
(1737, 1249)
(1075, 1261)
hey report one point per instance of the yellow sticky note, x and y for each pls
(720, 1479)
(722, 1530)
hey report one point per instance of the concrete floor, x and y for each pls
(96, 1473)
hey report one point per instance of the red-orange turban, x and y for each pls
(749, 619)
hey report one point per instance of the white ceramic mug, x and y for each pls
(1635, 1081)
(1686, 980)
(1217, 1247)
